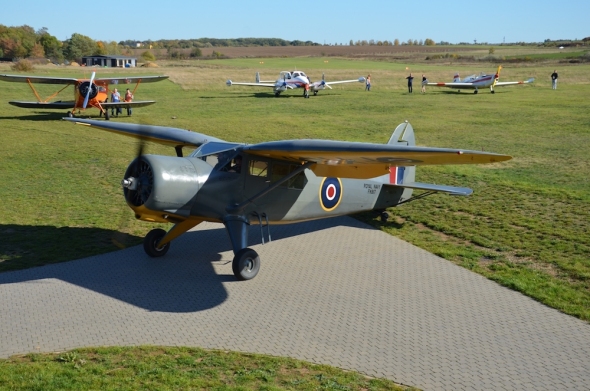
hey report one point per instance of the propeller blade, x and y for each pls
(89, 89)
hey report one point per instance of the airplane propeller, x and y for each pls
(88, 91)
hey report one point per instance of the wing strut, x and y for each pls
(236, 209)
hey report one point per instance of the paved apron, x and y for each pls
(331, 291)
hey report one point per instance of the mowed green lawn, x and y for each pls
(526, 225)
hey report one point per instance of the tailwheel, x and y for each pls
(70, 114)
(106, 115)
(475, 92)
(246, 264)
(315, 93)
(151, 240)
(493, 92)
(384, 216)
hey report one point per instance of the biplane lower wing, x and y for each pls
(139, 103)
(60, 105)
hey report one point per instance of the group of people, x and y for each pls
(116, 97)
(410, 82)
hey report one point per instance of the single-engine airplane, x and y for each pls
(275, 182)
(92, 92)
(480, 81)
(291, 80)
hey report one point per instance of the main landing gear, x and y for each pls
(246, 262)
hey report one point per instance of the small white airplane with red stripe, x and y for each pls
(482, 81)
(292, 80)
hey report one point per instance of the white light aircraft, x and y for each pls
(481, 81)
(296, 79)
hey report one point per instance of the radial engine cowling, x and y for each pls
(160, 187)
(84, 86)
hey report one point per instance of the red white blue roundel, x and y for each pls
(330, 193)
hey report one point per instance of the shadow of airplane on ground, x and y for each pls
(183, 281)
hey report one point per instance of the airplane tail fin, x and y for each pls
(402, 135)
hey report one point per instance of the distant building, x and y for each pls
(110, 61)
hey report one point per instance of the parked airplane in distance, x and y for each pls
(292, 80)
(480, 81)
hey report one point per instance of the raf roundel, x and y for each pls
(330, 193)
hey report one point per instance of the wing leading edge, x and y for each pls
(365, 160)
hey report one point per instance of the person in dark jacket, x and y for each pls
(554, 79)
(410, 79)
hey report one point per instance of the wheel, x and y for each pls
(384, 216)
(277, 94)
(246, 264)
(70, 114)
(493, 92)
(150, 241)
(315, 93)
(475, 92)
(106, 115)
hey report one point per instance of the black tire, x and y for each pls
(475, 92)
(384, 216)
(70, 114)
(150, 241)
(315, 93)
(106, 115)
(246, 264)
(493, 92)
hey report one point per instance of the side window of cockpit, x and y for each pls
(258, 168)
(280, 170)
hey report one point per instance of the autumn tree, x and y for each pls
(79, 46)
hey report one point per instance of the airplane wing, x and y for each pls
(131, 79)
(159, 134)
(364, 160)
(451, 85)
(136, 103)
(37, 79)
(510, 83)
(359, 80)
(61, 105)
(231, 83)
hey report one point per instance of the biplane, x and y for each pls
(269, 183)
(482, 80)
(93, 92)
(292, 80)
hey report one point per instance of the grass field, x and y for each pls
(526, 226)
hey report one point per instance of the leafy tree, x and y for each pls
(51, 45)
(396, 42)
(429, 42)
(148, 56)
(492, 50)
(79, 46)
(351, 43)
(196, 52)
(37, 51)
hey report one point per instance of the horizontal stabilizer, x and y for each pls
(458, 191)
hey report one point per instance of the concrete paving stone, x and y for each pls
(331, 291)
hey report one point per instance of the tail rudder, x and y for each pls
(402, 135)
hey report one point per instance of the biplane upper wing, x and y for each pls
(159, 134)
(38, 79)
(364, 160)
(131, 79)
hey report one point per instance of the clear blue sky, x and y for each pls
(319, 21)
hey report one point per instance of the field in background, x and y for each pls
(526, 226)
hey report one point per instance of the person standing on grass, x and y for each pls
(368, 83)
(554, 79)
(128, 98)
(410, 79)
(424, 81)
